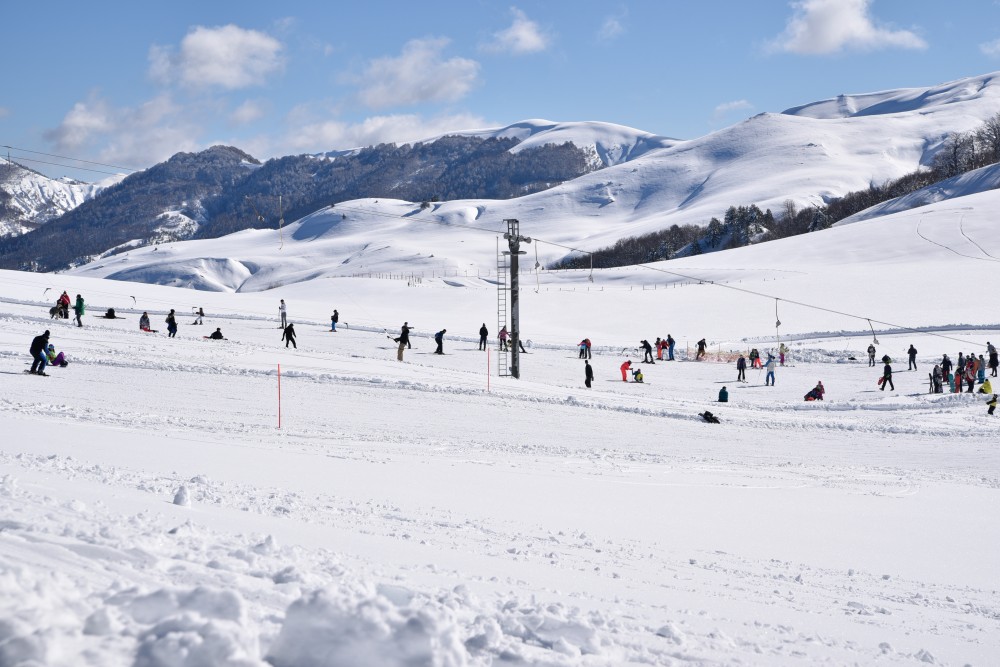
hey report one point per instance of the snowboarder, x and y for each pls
(439, 339)
(912, 354)
(637, 375)
(670, 347)
(217, 334)
(970, 374)
(110, 314)
(199, 315)
(871, 354)
(741, 369)
(723, 395)
(144, 321)
(588, 373)
(55, 359)
(647, 351)
(403, 340)
(625, 367)
(945, 366)
(980, 369)
(171, 324)
(701, 349)
(288, 335)
(79, 308)
(484, 335)
(39, 359)
(887, 375)
(283, 314)
(993, 405)
(987, 388)
(816, 393)
(334, 319)
(709, 417)
(769, 378)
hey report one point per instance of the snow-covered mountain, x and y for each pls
(807, 158)
(29, 199)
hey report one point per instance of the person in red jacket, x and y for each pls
(625, 369)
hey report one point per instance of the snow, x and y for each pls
(430, 512)
(187, 502)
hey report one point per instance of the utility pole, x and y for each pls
(514, 240)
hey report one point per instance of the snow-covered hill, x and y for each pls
(766, 160)
(35, 199)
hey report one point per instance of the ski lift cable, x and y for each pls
(66, 157)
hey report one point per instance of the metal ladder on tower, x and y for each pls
(503, 286)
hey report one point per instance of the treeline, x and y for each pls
(742, 225)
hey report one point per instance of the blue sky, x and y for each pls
(133, 83)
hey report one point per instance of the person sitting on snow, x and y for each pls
(637, 375)
(816, 394)
(55, 359)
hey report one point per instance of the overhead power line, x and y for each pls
(66, 157)
(19, 158)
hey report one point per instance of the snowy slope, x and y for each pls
(978, 180)
(430, 512)
(765, 160)
(36, 199)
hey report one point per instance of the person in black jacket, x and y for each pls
(483, 335)
(588, 373)
(647, 350)
(439, 339)
(334, 319)
(39, 345)
(403, 340)
(217, 335)
(887, 377)
(288, 335)
(741, 369)
(912, 354)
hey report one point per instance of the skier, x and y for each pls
(199, 315)
(659, 348)
(912, 354)
(288, 335)
(723, 395)
(171, 324)
(625, 367)
(782, 351)
(283, 313)
(39, 360)
(484, 334)
(871, 354)
(403, 340)
(334, 319)
(741, 369)
(585, 340)
(769, 378)
(588, 373)
(79, 307)
(670, 347)
(217, 334)
(144, 322)
(887, 374)
(439, 339)
(701, 349)
(754, 358)
(583, 348)
(647, 350)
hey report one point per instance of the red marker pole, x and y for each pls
(279, 395)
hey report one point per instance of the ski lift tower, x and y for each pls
(514, 239)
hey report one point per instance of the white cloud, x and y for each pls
(332, 134)
(419, 74)
(136, 136)
(523, 36)
(228, 57)
(991, 49)
(4, 112)
(827, 26)
(611, 29)
(247, 112)
(728, 107)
